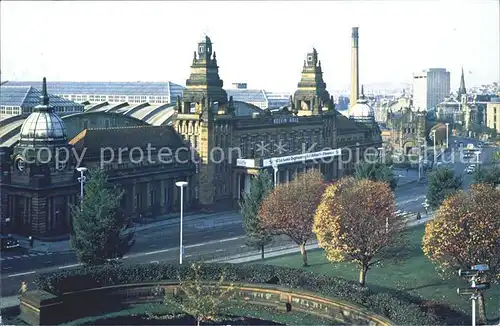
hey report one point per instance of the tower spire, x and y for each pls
(44, 98)
(462, 90)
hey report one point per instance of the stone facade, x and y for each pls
(408, 129)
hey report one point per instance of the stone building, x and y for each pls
(408, 129)
(228, 142)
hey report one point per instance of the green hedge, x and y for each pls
(398, 309)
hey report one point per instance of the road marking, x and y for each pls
(21, 274)
(125, 257)
(33, 255)
(155, 262)
(156, 252)
(215, 241)
(25, 256)
(186, 256)
(68, 266)
(152, 245)
(9, 258)
(2, 259)
(219, 250)
(242, 246)
(48, 262)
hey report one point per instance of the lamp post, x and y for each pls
(380, 149)
(447, 140)
(82, 178)
(181, 185)
(275, 168)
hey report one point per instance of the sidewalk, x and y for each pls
(64, 245)
(6, 302)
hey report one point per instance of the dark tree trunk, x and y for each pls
(362, 275)
(262, 251)
(303, 252)
(481, 312)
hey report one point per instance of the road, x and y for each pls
(207, 238)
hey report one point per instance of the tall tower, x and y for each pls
(354, 68)
(311, 96)
(203, 100)
(461, 89)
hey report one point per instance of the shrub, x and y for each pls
(402, 309)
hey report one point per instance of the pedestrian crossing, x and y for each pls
(26, 255)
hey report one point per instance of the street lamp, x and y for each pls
(181, 185)
(447, 141)
(82, 178)
(275, 168)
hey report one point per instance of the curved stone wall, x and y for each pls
(42, 308)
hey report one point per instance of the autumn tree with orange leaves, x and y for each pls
(466, 231)
(356, 221)
(290, 208)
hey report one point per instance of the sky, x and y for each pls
(262, 43)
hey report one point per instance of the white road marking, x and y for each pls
(155, 252)
(1, 259)
(152, 245)
(215, 241)
(155, 262)
(9, 258)
(186, 256)
(242, 246)
(219, 250)
(25, 256)
(68, 266)
(21, 274)
(125, 257)
(33, 255)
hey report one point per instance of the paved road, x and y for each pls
(216, 236)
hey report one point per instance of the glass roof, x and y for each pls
(247, 95)
(27, 96)
(107, 88)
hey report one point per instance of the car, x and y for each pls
(470, 169)
(8, 242)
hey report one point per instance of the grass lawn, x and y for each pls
(415, 275)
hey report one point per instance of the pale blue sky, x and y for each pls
(261, 43)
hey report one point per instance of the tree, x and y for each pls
(496, 156)
(490, 176)
(376, 171)
(257, 236)
(366, 233)
(466, 231)
(442, 183)
(290, 208)
(201, 300)
(440, 133)
(97, 227)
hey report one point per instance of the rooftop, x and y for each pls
(29, 97)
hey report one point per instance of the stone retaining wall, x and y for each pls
(43, 308)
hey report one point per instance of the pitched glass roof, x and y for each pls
(107, 88)
(27, 96)
(247, 95)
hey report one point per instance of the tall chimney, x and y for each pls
(354, 67)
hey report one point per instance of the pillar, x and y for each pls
(134, 198)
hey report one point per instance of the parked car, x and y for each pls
(8, 242)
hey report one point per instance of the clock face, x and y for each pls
(20, 164)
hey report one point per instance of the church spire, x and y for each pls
(462, 90)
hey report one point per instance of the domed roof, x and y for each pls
(361, 110)
(43, 124)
